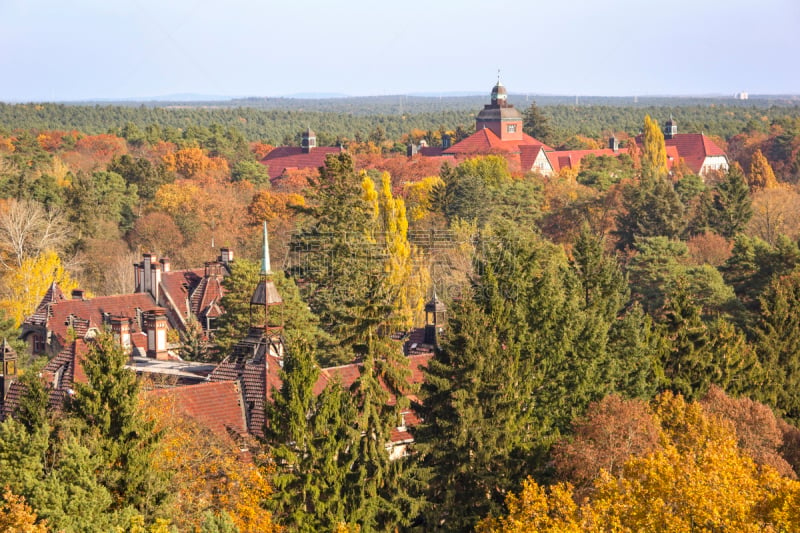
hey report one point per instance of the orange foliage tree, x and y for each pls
(209, 471)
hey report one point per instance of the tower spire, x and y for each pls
(266, 268)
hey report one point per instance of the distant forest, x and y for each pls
(335, 120)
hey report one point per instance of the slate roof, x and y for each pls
(63, 371)
(216, 406)
(284, 158)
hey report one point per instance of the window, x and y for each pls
(511, 128)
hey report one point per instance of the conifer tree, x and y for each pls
(536, 124)
(341, 266)
(107, 405)
(778, 345)
(731, 208)
(650, 209)
(313, 437)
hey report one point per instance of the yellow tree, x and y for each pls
(24, 287)
(697, 481)
(16, 516)
(404, 270)
(761, 174)
(418, 196)
(654, 151)
(209, 473)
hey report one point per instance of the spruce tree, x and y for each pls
(105, 409)
(382, 490)
(778, 345)
(312, 438)
(731, 208)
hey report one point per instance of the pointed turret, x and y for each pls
(266, 268)
(266, 294)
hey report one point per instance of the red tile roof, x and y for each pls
(84, 314)
(258, 373)
(484, 141)
(285, 158)
(216, 406)
(53, 295)
(572, 158)
(177, 286)
(694, 148)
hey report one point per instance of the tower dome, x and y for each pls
(499, 95)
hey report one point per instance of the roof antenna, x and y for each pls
(498, 76)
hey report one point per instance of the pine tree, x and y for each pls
(650, 209)
(383, 491)
(341, 266)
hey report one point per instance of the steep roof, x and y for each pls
(40, 315)
(284, 158)
(215, 405)
(258, 372)
(694, 148)
(63, 371)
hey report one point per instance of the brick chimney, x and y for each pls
(155, 325)
(164, 264)
(121, 329)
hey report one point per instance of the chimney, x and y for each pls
(613, 143)
(164, 264)
(226, 256)
(446, 141)
(155, 325)
(121, 329)
(309, 141)
(77, 294)
(137, 277)
(147, 263)
(155, 280)
(411, 149)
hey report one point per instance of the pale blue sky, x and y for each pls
(81, 49)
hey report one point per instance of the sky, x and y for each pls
(56, 50)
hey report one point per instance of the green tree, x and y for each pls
(777, 344)
(650, 209)
(107, 405)
(341, 264)
(140, 172)
(298, 321)
(313, 439)
(537, 124)
(731, 208)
